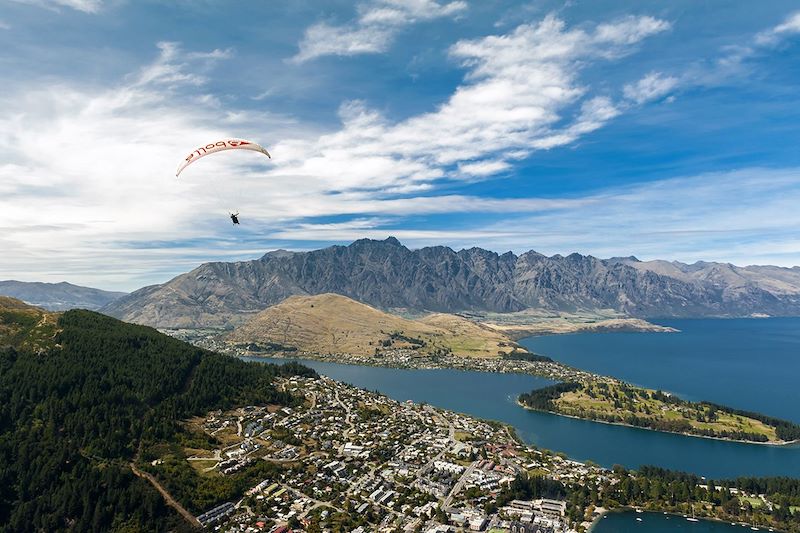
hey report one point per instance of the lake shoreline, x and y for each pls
(330, 358)
(623, 424)
(627, 509)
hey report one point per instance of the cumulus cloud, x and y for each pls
(95, 164)
(378, 22)
(517, 97)
(94, 167)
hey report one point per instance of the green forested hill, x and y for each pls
(75, 408)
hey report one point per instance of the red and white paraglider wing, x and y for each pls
(220, 146)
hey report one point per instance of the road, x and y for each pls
(348, 417)
(189, 517)
(459, 485)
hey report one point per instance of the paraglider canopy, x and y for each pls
(220, 146)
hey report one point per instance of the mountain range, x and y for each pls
(387, 275)
(58, 296)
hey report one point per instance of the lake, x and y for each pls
(751, 364)
(492, 396)
(625, 522)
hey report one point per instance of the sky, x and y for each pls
(662, 130)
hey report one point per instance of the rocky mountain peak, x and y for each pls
(385, 274)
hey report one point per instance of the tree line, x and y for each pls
(73, 416)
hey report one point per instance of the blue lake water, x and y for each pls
(751, 364)
(492, 396)
(626, 522)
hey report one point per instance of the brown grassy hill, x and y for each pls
(25, 326)
(331, 323)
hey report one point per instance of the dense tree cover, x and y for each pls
(785, 486)
(543, 398)
(517, 355)
(72, 417)
(679, 425)
(525, 487)
(786, 430)
(528, 487)
(200, 493)
(661, 489)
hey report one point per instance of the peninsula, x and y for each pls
(617, 402)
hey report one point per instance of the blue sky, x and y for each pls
(661, 130)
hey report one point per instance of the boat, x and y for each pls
(638, 519)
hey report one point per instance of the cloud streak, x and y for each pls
(378, 22)
(704, 217)
(86, 6)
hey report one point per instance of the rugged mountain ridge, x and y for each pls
(58, 296)
(385, 274)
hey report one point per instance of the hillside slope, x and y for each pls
(58, 296)
(331, 323)
(74, 412)
(26, 327)
(386, 274)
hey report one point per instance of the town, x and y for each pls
(354, 460)
(404, 358)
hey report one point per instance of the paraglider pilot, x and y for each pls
(235, 218)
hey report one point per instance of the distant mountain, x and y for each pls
(58, 296)
(386, 274)
(331, 323)
(732, 279)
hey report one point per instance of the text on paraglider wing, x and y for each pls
(219, 144)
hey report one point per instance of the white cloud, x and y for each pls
(744, 216)
(483, 168)
(517, 97)
(652, 86)
(172, 68)
(790, 26)
(630, 30)
(93, 167)
(378, 23)
(705, 217)
(734, 60)
(87, 6)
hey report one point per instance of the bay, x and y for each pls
(751, 364)
(493, 396)
(625, 522)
